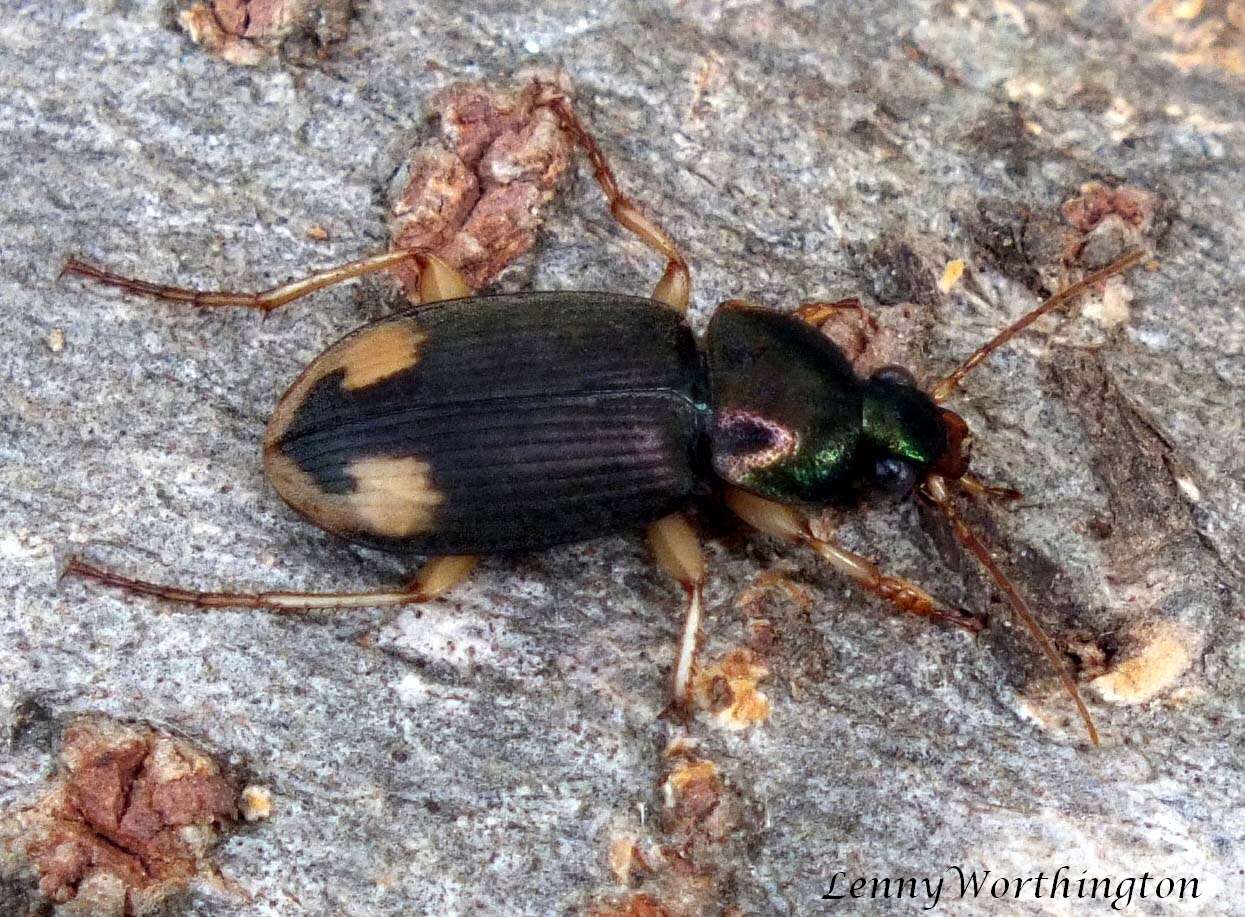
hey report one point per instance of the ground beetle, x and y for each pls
(473, 425)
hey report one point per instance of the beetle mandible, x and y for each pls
(472, 425)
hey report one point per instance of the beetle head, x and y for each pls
(906, 436)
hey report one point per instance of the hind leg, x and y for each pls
(437, 281)
(264, 301)
(434, 579)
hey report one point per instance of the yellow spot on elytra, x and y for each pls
(380, 352)
(951, 275)
(392, 497)
(371, 354)
(1163, 658)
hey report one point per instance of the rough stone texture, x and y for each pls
(487, 754)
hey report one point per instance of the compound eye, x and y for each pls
(894, 475)
(895, 375)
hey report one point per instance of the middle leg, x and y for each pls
(675, 286)
(677, 550)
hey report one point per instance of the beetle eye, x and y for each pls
(894, 475)
(896, 375)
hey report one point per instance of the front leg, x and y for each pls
(787, 523)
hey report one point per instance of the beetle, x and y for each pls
(471, 425)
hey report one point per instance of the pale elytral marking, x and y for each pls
(380, 352)
(372, 354)
(393, 497)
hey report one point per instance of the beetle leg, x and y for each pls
(265, 301)
(438, 281)
(785, 522)
(434, 579)
(972, 484)
(675, 287)
(677, 550)
(816, 312)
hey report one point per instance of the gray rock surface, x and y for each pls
(481, 755)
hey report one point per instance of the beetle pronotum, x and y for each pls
(586, 414)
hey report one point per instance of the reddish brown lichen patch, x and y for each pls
(1108, 220)
(129, 819)
(1097, 202)
(249, 32)
(637, 905)
(727, 690)
(866, 342)
(1205, 34)
(473, 195)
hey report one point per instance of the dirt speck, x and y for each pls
(251, 32)
(1204, 34)
(685, 862)
(897, 274)
(727, 690)
(1151, 662)
(256, 803)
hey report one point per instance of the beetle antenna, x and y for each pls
(935, 489)
(946, 386)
